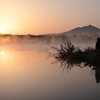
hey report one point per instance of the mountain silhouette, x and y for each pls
(83, 30)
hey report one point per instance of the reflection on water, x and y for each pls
(97, 74)
(2, 52)
(70, 63)
(27, 74)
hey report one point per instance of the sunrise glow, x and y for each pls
(2, 30)
(47, 16)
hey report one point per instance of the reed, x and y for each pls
(74, 55)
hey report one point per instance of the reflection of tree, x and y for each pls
(97, 75)
(67, 64)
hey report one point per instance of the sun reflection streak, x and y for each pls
(2, 52)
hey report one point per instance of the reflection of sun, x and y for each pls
(2, 52)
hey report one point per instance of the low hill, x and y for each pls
(86, 30)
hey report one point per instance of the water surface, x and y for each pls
(26, 73)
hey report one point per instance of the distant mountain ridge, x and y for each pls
(83, 30)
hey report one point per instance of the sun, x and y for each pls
(2, 52)
(2, 30)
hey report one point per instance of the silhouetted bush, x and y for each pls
(68, 53)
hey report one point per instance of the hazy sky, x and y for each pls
(47, 16)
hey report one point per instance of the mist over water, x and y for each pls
(44, 42)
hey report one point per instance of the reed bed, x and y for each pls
(68, 53)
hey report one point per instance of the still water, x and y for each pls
(27, 73)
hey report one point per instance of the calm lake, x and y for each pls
(28, 73)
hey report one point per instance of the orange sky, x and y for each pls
(47, 16)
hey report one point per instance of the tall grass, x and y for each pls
(69, 54)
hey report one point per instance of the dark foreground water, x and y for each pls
(26, 73)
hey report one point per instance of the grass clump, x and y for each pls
(74, 55)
